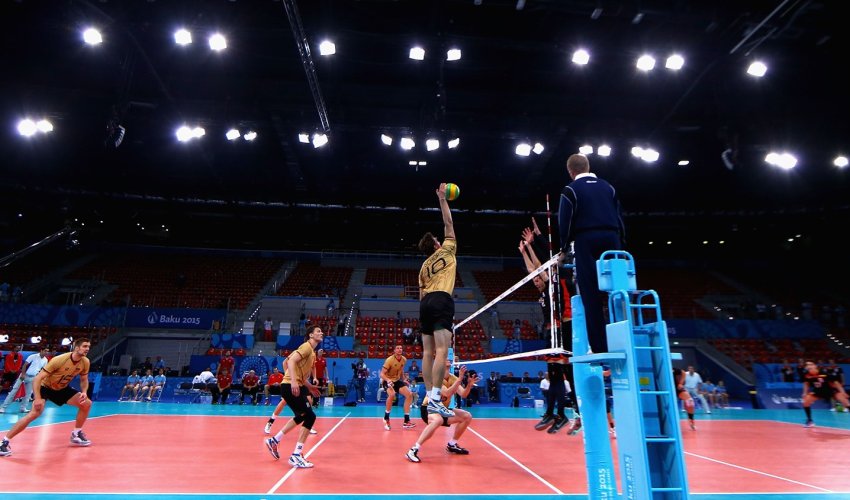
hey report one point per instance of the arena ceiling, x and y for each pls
(514, 82)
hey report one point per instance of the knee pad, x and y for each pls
(309, 419)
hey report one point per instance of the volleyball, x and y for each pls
(452, 191)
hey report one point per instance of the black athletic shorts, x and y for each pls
(423, 410)
(275, 389)
(436, 312)
(60, 396)
(398, 384)
(298, 404)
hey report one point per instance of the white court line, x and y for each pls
(512, 459)
(63, 421)
(758, 472)
(307, 455)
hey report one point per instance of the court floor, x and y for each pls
(169, 450)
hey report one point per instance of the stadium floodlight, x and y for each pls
(453, 55)
(4, 338)
(250, 135)
(785, 161)
(422, 163)
(327, 48)
(92, 36)
(417, 53)
(453, 143)
(67, 341)
(412, 163)
(27, 127)
(387, 140)
(44, 126)
(650, 155)
(232, 134)
(184, 133)
(840, 161)
(757, 69)
(182, 37)
(432, 144)
(684, 163)
(587, 149)
(198, 132)
(637, 151)
(35, 339)
(319, 140)
(304, 138)
(581, 57)
(523, 149)
(604, 150)
(675, 62)
(538, 148)
(407, 143)
(646, 62)
(218, 42)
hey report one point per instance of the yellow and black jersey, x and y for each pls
(62, 369)
(303, 368)
(394, 368)
(438, 271)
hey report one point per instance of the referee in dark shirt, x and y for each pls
(589, 215)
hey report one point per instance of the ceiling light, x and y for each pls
(637, 151)
(785, 161)
(649, 155)
(184, 133)
(250, 136)
(432, 144)
(684, 163)
(217, 42)
(44, 126)
(538, 148)
(407, 143)
(581, 57)
(327, 48)
(587, 149)
(4, 338)
(319, 140)
(67, 341)
(417, 53)
(305, 138)
(182, 37)
(453, 143)
(840, 161)
(232, 134)
(646, 62)
(757, 69)
(422, 163)
(603, 150)
(453, 55)
(92, 36)
(675, 62)
(412, 163)
(523, 149)
(35, 340)
(387, 140)
(198, 132)
(27, 127)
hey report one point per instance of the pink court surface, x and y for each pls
(176, 450)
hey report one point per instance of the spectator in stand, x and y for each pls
(707, 390)
(331, 307)
(221, 390)
(12, 364)
(159, 364)
(320, 373)
(413, 371)
(493, 388)
(340, 326)
(361, 373)
(132, 384)
(544, 387)
(158, 384)
(693, 382)
(801, 370)
(787, 371)
(145, 385)
(4, 292)
(721, 397)
(268, 329)
(226, 363)
(273, 385)
(146, 365)
(250, 387)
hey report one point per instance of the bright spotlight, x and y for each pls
(417, 53)
(198, 132)
(304, 138)
(432, 144)
(184, 134)
(182, 37)
(785, 161)
(649, 155)
(319, 140)
(35, 340)
(604, 150)
(454, 143)
(684, 163)
(407, 143)
(637, 151)
(581, 57)
(453, 55)
(757, 69)
(44, 126)
(523, 149)
(646, 62)
(27, 127)
(538, 148)
(587, 149)
(4, 338)
(92, 36)
(250, 136)
(387, 140)
(67, 341)
(412, 163)
(232, 134)
(675, 62)
(327, 48)
(218, 42)
(840, 161)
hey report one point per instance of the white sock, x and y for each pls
(415, 446)
(5, 438)
(299, 447)
(435, 395)
(278, 436)
(453, 442)
(76, 431)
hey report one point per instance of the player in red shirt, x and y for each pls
(250, 387)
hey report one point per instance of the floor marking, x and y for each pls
(512, 459)
(758, 472)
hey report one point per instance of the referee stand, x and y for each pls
(649, 438)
